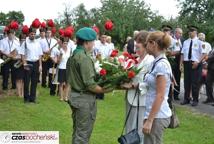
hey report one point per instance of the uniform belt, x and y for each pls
(82, 92)
(33, 61)
(189, 61)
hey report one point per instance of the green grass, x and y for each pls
(52, 115)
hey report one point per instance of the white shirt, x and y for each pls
(32, 50)
(197, 49)
(18, 56)
(144, 65)
(111, 45)
(72, 46)
(104, 50)
(48, 44)
(95, 48)
(176, 45)
(7, 46)
(55, 52)
(42, 42)
(65, 56)
(207, 47)
(163, 68)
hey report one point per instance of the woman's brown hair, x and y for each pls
(141, 37)
(162, 39)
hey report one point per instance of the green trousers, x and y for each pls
(84, 111)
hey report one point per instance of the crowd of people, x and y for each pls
(33, 58)
(66, 67)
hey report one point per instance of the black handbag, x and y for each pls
(132, 137)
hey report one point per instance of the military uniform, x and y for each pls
(192, 51)
(81, 77)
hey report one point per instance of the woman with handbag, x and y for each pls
(144, 63)
(157, 112)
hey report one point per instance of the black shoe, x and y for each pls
(13, 87)
(52, 94)
(5, 88)
(26, 101)
(208, 101)
(194, 104)
(34, 102)
(176, 98)
(44, 86)
(185, 102)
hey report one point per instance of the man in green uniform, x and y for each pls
(81, 78)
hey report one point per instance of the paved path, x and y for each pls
(203, 108)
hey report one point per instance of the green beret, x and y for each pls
(86, 33)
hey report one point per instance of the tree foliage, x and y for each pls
(6, 18)
(199, 13)
(127, 16)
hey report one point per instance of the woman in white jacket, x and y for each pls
(144, 63)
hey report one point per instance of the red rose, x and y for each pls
(43, 25)
(14, 25)
(114, 53)
(96, 29)
(126, 54)
(103, 72)
(25, 29)
(36, 23)
(109, 25)
(131, 74)
(50, 23)
(61, 32)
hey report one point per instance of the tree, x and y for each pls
(5, 19)
(199, 13)
(66, 18)
(127, 16)
(81, 17)
(15, 15)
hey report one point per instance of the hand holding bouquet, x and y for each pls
(116, 70)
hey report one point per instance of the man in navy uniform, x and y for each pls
(192, 55)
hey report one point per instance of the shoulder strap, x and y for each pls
(25, 44)
(127, 117)
(155, 64)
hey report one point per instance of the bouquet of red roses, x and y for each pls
(116, 70)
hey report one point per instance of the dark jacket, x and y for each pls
(210, 60)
